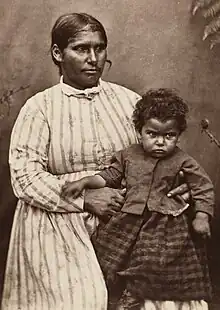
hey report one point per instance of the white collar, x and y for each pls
(88, 93)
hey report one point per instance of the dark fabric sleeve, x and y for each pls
(114, 174)
(201, 186)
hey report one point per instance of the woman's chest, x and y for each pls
(85, 133)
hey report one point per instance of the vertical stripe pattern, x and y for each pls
(60, 137)
(171, 305)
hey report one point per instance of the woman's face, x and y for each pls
(82, 61)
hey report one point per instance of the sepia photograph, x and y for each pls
(110, 155)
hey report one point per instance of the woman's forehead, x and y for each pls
(87, 37)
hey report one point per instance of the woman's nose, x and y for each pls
(92, 55)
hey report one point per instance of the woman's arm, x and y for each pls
(28, 159)
(104, 202)
(181, 189)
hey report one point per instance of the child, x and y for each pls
(154, 248)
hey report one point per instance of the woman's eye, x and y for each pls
(80, 49)
(100, 48)
(86, 49)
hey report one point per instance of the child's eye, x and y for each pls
(151, 134)
(171, 135)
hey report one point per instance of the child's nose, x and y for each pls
(160, 140)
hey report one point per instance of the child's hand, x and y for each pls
(201, 224)
(74, 188)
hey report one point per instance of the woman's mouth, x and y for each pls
(159, 151)
(91, 71)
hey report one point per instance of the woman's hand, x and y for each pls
(181, 190)
(201, 224)
(74, 188)
(104, 202)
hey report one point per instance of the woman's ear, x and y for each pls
(56, 52)
(178, 138)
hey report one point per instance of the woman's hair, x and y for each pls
(68, 26)
(163, 104)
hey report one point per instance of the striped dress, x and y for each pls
(61, 134)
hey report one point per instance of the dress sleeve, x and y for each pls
(201, 186)
(114, 174)
(28, 160)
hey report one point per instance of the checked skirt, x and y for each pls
(155, 257)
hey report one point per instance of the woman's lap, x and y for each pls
(51, 264)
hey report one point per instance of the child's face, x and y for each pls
(159, 138)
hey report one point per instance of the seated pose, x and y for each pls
(155, 248)
(64, 133)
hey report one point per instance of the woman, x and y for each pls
(62, 134)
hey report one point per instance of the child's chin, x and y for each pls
(159, 154)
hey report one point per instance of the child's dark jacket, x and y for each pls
(148, 180)
(157, 253)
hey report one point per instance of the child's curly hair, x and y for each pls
(163, 104)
